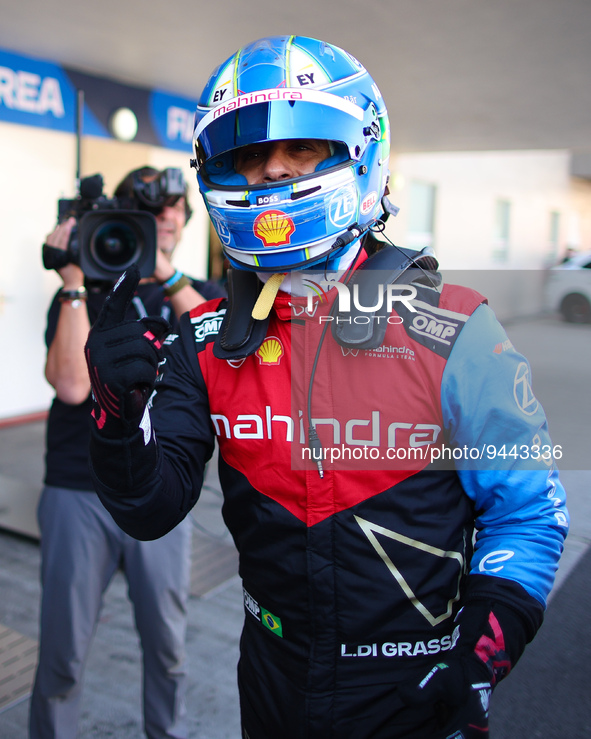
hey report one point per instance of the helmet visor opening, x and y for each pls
(274, 121)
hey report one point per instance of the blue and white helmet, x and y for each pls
(291, 87)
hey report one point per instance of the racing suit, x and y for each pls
(355, 567)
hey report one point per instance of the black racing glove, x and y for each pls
(122, 358)
(488, 640)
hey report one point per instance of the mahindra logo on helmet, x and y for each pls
(252, 98)
(266, 96)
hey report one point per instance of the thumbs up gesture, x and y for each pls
(122, 358)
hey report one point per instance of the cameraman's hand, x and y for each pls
(122, 358)
(163, 270)
(187, 297)
(59, 238)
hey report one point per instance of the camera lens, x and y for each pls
(113, 239)
(115, 246)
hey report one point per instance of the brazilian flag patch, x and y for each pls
(271, 622)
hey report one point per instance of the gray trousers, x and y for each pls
(81, 548)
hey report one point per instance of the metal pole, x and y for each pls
(79, 128)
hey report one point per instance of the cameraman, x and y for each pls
(81, 545)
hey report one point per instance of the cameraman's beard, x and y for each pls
(167, 249)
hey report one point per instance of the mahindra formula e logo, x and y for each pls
(269, 96)
(261, 96)
(384, 351)
(371, 432)
(273, 228)
(270, 351)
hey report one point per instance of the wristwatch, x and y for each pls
(74, 297)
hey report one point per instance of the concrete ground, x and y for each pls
(111, 705)
(546, 696)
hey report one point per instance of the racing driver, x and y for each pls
(391, 576)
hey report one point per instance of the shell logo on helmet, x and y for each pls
(270, 351)
(273, 228)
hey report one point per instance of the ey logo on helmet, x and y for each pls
(270, 351)
(273, 228)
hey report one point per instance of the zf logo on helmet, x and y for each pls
(342, 207)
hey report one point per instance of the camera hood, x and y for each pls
(112, 240)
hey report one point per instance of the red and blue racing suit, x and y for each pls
(352, 579)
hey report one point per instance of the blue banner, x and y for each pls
(36, 92)
(172, 119)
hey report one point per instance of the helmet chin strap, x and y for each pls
(292, 283)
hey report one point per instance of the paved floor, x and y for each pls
(112, 702)
(112, 708)
(545, 697)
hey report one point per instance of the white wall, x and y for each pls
(468, 185)
(37, 168)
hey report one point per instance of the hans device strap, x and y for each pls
(360, 328)
(241, 335)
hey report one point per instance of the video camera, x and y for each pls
(113, 233)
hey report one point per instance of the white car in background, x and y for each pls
(568, 289)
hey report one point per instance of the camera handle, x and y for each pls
(54, 258)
